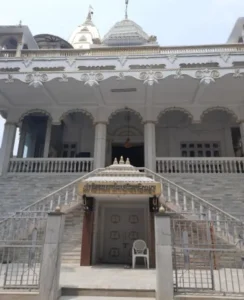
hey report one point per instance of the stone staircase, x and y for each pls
(71, 246)
(225, 191)
(19, 191)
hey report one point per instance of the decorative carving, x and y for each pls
(219, 108)
(122, 60)
(207, 76)
(71, 62)
(133, 219)
(114, 252)
(199, 65)
(6, 70)
(163, 112)
(225, 56)
(114, 235)
(34, 111)
(36, 80)
(115, 219)
(64, 78)
(172, 58)
(27, 62)
(10, 79)
(150, 77)
(92, 79)
(48, 69)
(152, 39)
(150, 67)
(125, 109)
(121, 76)
(178, 74)
(133, 235)
(95, 68)
(237, 74)
(83, 111)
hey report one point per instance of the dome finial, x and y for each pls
(126, 9)
(90, 13)
(121, 162)
(115, 161)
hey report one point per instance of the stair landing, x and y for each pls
(107, 277)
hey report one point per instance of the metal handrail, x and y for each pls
(53, 193)
(192, 195)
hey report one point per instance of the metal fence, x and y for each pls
(204, 261)
(21, 245)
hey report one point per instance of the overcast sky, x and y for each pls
(174, 22)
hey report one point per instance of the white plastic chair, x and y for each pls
(139, 249)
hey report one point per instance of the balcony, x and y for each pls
(200, 165)
(50, 165)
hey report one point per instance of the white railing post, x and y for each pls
(205, 165)
(50, 165)
(169, 193)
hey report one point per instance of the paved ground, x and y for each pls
(107, 277)
(100, 298)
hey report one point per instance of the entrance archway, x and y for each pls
(125, 138)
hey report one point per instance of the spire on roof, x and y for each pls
(89, 16)
(126, 9)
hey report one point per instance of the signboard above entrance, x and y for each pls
(119, 188)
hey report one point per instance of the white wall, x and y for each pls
(168, 140)
(79, 130)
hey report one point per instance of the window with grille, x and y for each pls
(69, 150)
(200, 149)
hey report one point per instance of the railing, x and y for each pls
(50, 165)
(204, 263)
(211, 165)
(63, 198)
(191, 206)
(202, 49)
(21, 245)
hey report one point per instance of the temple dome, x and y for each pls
(85, 35)
(127, 33)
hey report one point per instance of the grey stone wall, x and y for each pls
(18, 191)
(223, 190)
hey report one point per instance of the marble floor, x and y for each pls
(107, 277)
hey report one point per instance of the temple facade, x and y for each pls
(79, 104)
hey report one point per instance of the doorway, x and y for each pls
(135, 154)
(119, 226)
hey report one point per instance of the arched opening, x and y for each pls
(9, 44)
(74, 137)
(223, 133)
(174, 127)
(33, 135)
(125, 138)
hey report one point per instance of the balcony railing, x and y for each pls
(199, 49)
(205, 165)
(50, 165)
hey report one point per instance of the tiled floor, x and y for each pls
(101, 298)
(107, 277)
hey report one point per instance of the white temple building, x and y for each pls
(81, 104)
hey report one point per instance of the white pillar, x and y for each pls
(47, 138)
(164, 262)
(150, 145)
(51, 257)
(100, 145)
(242, 135)
(22, 133)
(7, 146)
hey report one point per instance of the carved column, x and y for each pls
(100, 145)
(47, 138)
(7, 146)
(242, 135)
(150, 145)
(22, 136)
